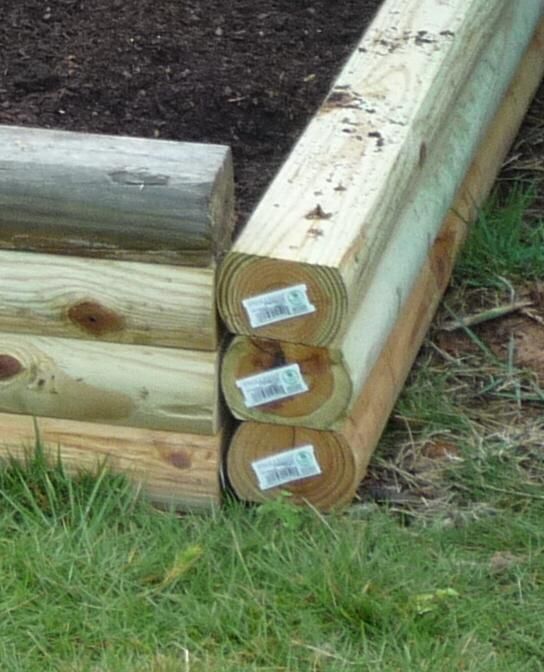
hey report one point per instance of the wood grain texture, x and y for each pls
(330, 389)
(253, 441)
(336, 375)
(138, 386)
(114, 197)
(344, 453)
(368, 154)
(107, 300)
(172, 469)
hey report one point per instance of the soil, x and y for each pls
(246, 73)
(518, 336)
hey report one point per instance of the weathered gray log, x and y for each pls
(114, 197)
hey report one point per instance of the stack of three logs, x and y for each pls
(109, 337)
(333, 283)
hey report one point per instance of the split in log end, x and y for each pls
(325, 388)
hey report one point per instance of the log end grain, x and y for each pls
(334, 488)
(329, 386)
(243, 276)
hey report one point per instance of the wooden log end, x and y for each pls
(324, 385)
(272, 298)
(331, 489)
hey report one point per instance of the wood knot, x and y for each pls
(180, 459)
(9, 367)
(95, 319)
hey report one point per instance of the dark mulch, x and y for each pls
(247, 73)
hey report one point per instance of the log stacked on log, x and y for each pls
(333, 307)
(109, 338)
(378, 142)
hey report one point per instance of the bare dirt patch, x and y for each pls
(517, 338)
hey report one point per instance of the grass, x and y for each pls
(95, 580)
(504, 243)
(447, 575)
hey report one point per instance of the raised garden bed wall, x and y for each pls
(336, 461)
(376, 145)
(334, 376)
(247, 78)
(109, 339)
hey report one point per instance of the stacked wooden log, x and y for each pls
(109, 338)
(333, 283)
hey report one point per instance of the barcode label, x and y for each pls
(277, 306)
(273, 385)
(291, 465)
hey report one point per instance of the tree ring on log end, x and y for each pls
(323, 371)
(246, 276)
(333, 488)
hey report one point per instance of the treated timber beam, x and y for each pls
(108, 300)
(173, 470)
(114, 197)
(335, 376)
(323, 224)
(343, 455)
(132, 385)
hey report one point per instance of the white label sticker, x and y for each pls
(277, 306)
(291, 465)
(263, 388)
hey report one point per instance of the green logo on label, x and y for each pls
(296, 298)
(289, 377)
(303, 459)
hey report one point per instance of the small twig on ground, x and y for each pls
(485, 315)
(532, 315)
